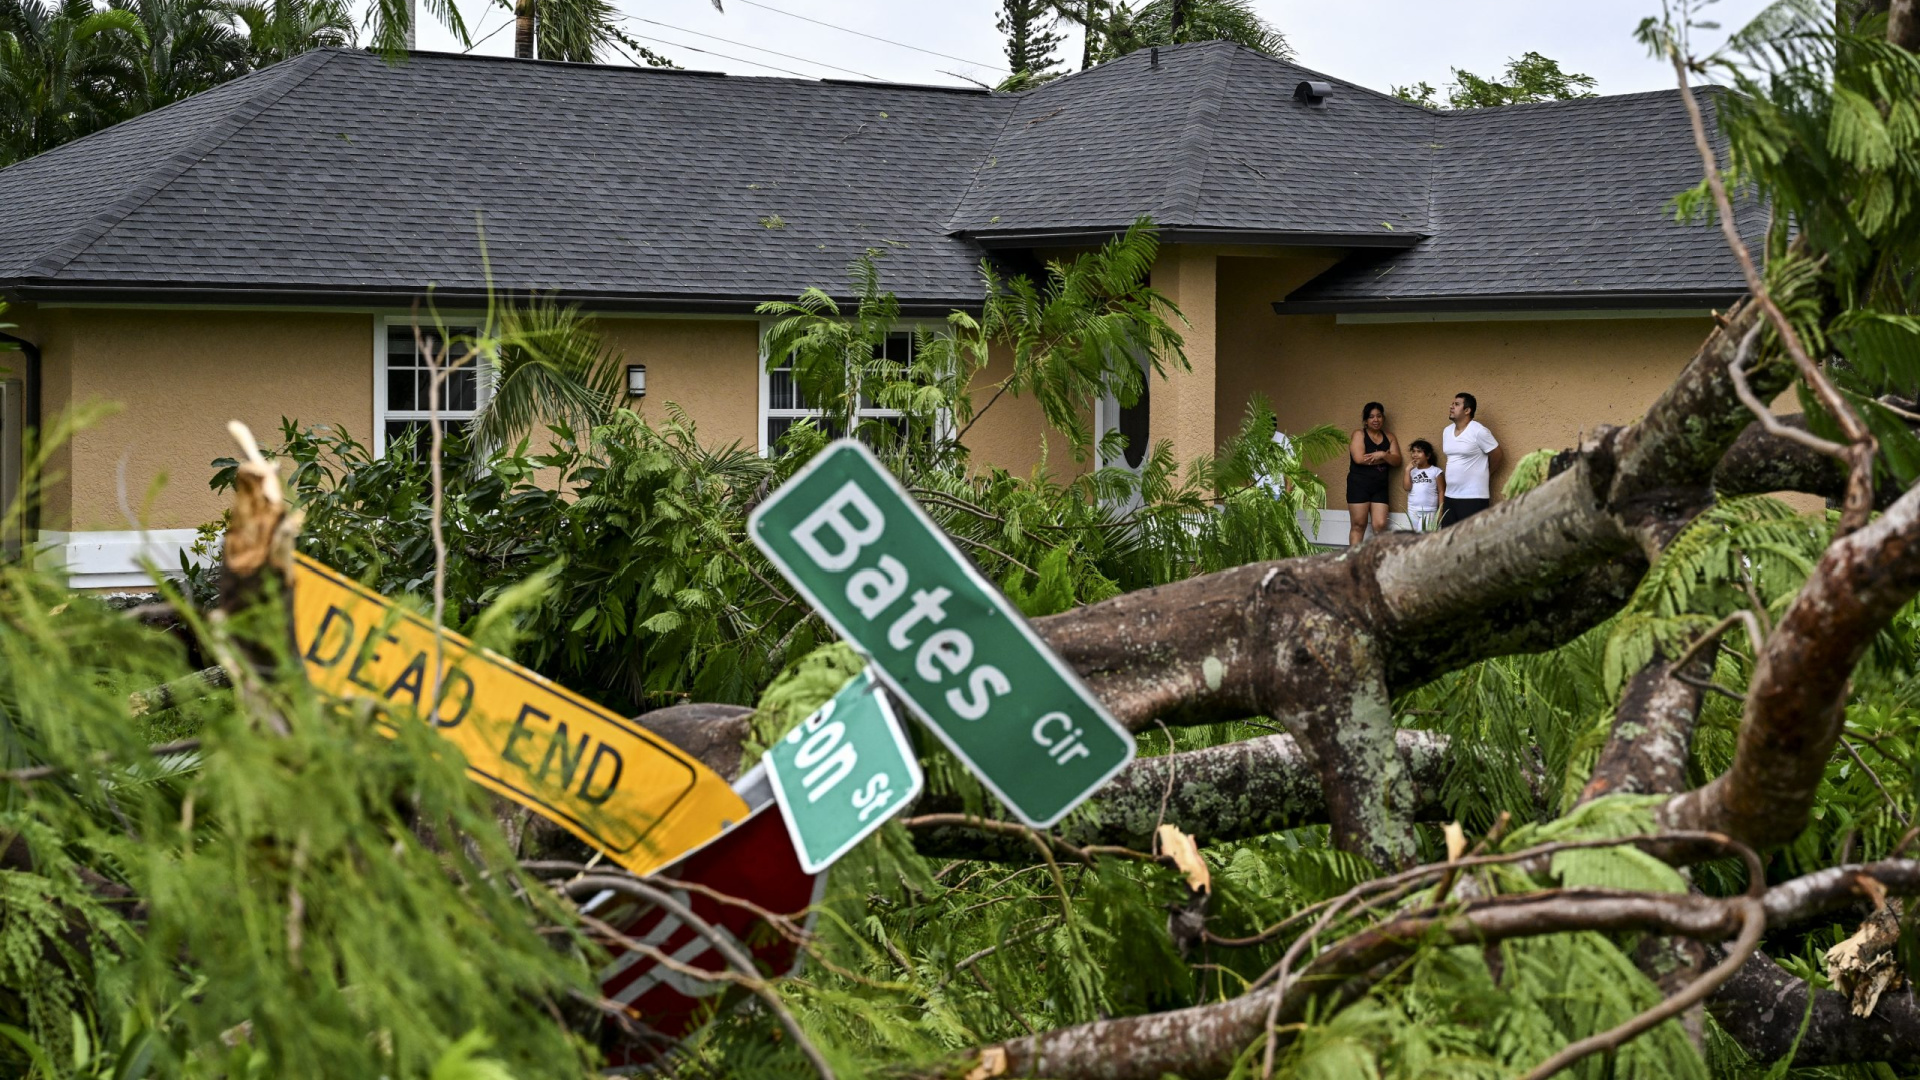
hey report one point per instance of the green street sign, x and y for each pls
(884, 576)
(842, 773)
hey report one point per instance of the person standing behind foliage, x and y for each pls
(1371, 452)
(1472, 454)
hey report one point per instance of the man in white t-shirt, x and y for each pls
(1472, 455)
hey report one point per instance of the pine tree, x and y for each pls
(1031, 39)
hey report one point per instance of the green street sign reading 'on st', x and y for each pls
(889, 581)
(842, 773)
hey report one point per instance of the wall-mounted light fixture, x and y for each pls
(636, 380)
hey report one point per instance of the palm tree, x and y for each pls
(63, 67)
(578, 31)
(278, 29)
(1115, 28)
(544, 363)
(189, 46)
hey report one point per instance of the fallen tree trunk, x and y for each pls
(1231, 792)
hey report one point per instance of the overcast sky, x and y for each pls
(1377, 43)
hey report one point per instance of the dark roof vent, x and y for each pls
(1312, 92)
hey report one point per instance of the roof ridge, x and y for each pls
(1591, 99)
(242, 113)
(1181, 196)
(1335, 79)
(973, 176)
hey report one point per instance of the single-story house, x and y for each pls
(255, 251)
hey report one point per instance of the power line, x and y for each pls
(744, 45)
(721, 55)
(864, 34)
(495, 30)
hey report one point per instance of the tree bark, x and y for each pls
(1758, 463)
(1204, 1040)
(1903, 24)
(525, 15)
(1229, 792)
(1762, 1007)
(1647, 751)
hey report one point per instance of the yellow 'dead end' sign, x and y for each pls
(609, 781)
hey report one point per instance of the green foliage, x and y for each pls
(280, 29)
(58, 61)
(69, 68)
(1031, 41)
(1532, 77)
(544, 364)
(1120, 27)
(1528, 473)
(1823, 119)
(331, 903)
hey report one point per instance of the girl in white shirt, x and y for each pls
(1426, 487)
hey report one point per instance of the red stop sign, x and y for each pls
(753, 861)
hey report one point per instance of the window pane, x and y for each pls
(461, 391)
(776, 427)
(400, 389)
(782, 393)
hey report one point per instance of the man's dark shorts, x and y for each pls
(1461, 509)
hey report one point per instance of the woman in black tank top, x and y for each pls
(1372, 451)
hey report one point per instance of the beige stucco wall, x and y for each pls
(1539, 383)
(709, 367)
(1010, 432)
(178, 377)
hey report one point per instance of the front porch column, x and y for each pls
(1183, 403)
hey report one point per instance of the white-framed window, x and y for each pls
(782, 405)
(401, 382)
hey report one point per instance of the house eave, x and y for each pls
(1077, 236)
(177, 294)
(1495, 302)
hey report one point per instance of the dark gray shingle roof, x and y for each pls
(1565, 200)
(337, 175)
(362, 177)
(1209, 138)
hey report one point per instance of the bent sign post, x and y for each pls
(888, 580)
(842, 773)
(607, 780)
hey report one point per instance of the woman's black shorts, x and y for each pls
(1367, 487)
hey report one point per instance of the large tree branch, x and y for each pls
(1647, 751)
(1763, 1006)
(1205, 1040)
(1228, 792)
(1796, 701)
(1758, 463)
